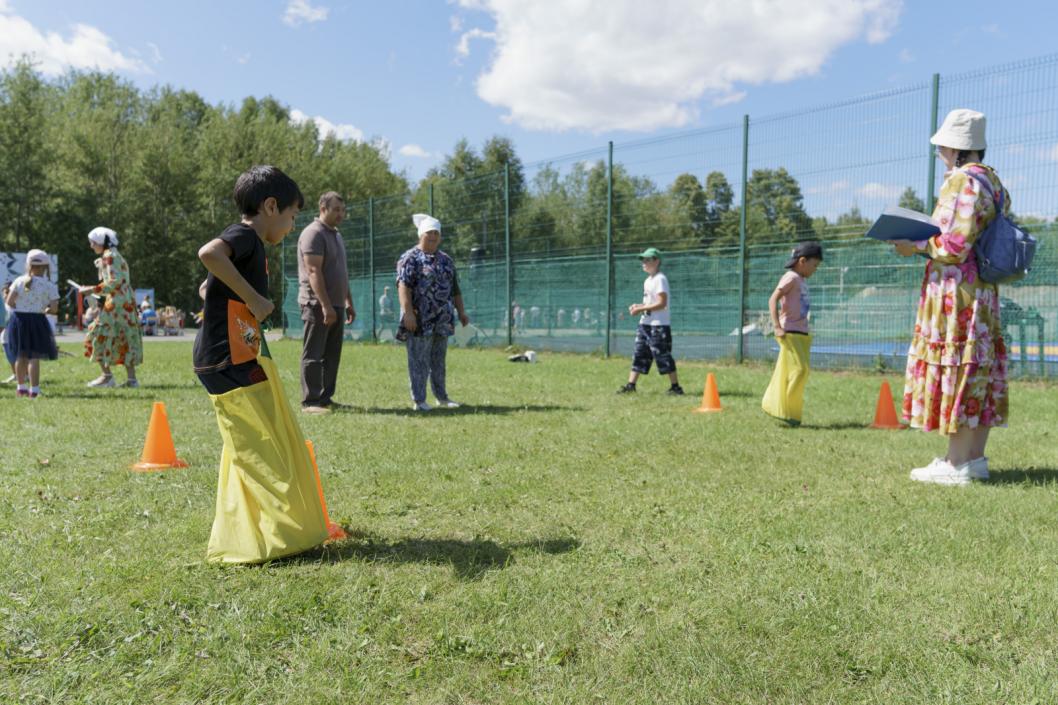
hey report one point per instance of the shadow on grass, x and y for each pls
(837, 426)
(464, 410)
(95, 396)
(1027, 476)
(469, 559)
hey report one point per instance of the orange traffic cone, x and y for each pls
(158, 450)
(334, 531)
(885, 410)
(710, 397)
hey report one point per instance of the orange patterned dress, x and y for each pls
(113, 338)
(957, 365)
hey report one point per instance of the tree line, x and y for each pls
(158, 166)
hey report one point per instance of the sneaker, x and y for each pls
(942, 472)
(21, 392)
(132, 384)
(316, 410)
(10, 379)
(978, 468)
(420, 406)
(34, 395)
(448, 403)
(102, 381)
(923, 473)
(627, 389)
(675, 390)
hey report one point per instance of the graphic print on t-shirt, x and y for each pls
(244, 333)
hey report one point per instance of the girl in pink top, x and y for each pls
(788, 307)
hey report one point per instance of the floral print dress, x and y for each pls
(957, 364)
(113, 338)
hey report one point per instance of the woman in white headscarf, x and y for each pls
(113, 338)
(956, 380)
(428, 289)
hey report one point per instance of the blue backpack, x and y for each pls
(1004, 251)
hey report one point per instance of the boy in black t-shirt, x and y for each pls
(267, 500)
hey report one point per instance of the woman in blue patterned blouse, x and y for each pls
(428, 289)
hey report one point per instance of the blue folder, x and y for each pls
(903, 224)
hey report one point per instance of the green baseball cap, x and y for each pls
(650, 253)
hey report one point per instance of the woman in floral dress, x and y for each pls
(113, 338)
(956, 379)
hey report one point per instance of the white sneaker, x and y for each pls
(448, 403)
(102, 381)
(978, 468)
(942, 472)
(924, 473)
(9, 380)
(420, 406)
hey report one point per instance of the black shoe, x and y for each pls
(627, 388)
(675, 390)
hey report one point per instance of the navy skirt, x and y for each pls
(29, 335)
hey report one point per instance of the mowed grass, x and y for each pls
(550, 542)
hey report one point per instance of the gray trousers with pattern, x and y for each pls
(426, 359)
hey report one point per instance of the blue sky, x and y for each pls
(556, 77)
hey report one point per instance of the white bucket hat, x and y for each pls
(962, 129)
(37, 257)
(98, 236)
(425, 223)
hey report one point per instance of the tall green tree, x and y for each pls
(24, 153)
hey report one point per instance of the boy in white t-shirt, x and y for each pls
(654, 336)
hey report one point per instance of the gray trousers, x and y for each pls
(426, 359)
(321, 353)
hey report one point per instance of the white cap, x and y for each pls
(37, 257)
(963, 130)
(425, 223)
(99, 235)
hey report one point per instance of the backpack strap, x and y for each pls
(986, 184)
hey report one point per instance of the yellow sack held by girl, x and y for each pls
(268, 505)
(785, 397)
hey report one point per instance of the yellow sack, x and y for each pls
(267, 502)
(785, 397)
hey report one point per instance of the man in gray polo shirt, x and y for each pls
(325, 300)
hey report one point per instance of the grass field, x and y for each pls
(550, 542)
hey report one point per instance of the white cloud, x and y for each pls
(455, 22)
(414, 150)
(633, 65)
(156, 53)
(346, 133)
(906, 56)
(463, 48)
(1052, 153)
(729, 99)
(86, 48)
(840, 185)
(880, 192)
(299, 12)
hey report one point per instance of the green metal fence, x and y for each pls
(547, 253)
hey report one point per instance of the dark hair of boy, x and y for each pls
(327, 200)
(259, 183)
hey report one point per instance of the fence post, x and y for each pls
(507, 247)
(431, 198)
(609, 247)
(282, 293)
(932, 130)
(742, 241)
(371, 262)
